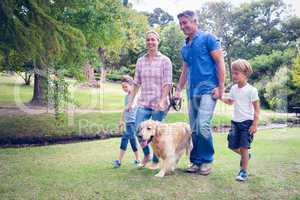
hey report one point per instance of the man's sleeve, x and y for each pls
(213, 43)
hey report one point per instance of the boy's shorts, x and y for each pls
(239, 135)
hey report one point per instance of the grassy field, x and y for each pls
(84, 171)
(108, 97)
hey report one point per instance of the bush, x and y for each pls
(114, 77)
(277, 90)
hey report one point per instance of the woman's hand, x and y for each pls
(162, 104)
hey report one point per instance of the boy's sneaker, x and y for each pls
(241, 160)
(242, 176)
(116, 163)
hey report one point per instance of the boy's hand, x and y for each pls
(218, 92)
(253, 129)
(128, 107)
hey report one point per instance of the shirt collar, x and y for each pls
(197, 34)
(157, 55)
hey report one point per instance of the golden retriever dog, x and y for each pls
(169, 142)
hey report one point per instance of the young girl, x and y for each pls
(244, 124)
(127, 119)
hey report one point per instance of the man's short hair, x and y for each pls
(189, 14)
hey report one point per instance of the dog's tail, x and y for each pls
(189, 145)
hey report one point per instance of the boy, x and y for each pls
(127, 119)
(244, 124)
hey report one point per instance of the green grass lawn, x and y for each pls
(84, 171)
(13, 91)
(108, 97)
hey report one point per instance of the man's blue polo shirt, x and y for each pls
(202, 75)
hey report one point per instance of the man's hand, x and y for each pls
(218, 92)
(178, 94)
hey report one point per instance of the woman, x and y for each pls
(153, 75)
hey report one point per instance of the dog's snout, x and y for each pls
(140, 138)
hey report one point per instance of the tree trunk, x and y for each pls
(89, 72)
(228, 61)
(101, 52)
(27, 78)
(40, 90)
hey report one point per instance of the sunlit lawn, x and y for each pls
(84, 171)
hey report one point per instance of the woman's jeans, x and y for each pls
(144, 114)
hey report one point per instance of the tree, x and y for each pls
(101, 23)
(29, 33)
(291, 29)
(134, 26)
(171, 42)
(296, 71)
(277, 90)
(257, 28)
(159, 17)
(267, 65)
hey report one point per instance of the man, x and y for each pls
(203, 70)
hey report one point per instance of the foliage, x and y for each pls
(159, 17)
(267, 65)
(296, 70)
(171, 42)
(277, 90)
(134, 27)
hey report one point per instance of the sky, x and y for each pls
(176, 6)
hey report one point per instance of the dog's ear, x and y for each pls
(158, 129)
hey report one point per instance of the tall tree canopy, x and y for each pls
(30, 33)
(158, 17)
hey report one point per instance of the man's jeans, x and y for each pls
(144, 114)
(201, 110)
